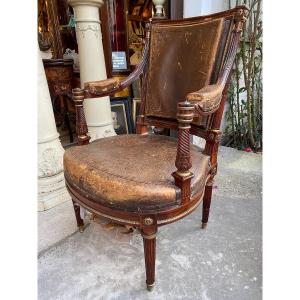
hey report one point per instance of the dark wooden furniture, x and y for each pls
(59, 74)
(132, 179)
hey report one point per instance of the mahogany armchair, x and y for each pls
(131, 179)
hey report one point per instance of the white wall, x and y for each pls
(192, 8)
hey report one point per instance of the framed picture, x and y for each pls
(121, 114)
(136, 103)
(136, 88)
(117, 17)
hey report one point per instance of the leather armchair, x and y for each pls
(147, 181)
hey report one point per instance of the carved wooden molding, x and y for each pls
(240, 18)
(214, 135)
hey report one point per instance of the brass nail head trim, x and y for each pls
(148, 221)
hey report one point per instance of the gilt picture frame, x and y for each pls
(136, 103)
(121, 114)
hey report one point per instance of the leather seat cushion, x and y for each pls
(131, 172)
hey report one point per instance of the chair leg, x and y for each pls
(79, 220)
(67, 118)
(206, 203)
(149, 253)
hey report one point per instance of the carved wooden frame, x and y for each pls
(149, 220)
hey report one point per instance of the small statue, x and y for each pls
(71, 54)
(159, 7)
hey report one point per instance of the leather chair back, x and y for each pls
(184, 56)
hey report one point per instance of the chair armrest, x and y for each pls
(110, 86)
(207, 100)
(102, 86)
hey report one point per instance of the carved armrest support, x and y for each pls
(81, 126)
(207, 100)
(183, 163)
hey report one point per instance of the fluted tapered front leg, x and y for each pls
(149, 250)
(79, 220)
(148, 232)
(206, 203)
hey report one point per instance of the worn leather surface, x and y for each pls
(181, 61)
(131, 172)
(207, 99)
(222, 48)
(102, 85)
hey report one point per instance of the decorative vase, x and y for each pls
(159, 4)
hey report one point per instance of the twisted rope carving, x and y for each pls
(183, 158)
(81, 128)
(185, 114)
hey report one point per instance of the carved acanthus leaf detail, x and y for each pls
(84, 28)
(50, 163)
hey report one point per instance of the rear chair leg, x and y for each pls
(149, 239)
(79, 220)
(206, 203)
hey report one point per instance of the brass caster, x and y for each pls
(81, 228)
(204, 225)
(150, 287)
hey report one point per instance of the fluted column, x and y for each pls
(92, 65)
(51, 183)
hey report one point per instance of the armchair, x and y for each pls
(185, 71)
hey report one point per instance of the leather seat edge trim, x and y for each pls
(159, 222)
(108, 216)
(183, 214)
(124, 178)
(115, 206)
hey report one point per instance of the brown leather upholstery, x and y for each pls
(207, 99)
(131, 172)
(102, 85)
(181, 61)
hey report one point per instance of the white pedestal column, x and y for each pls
(51, 183)
(92, 65)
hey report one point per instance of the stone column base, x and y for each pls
(52, 191)
(100, 132)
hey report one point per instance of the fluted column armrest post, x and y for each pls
(183, 163)
(81, 126)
